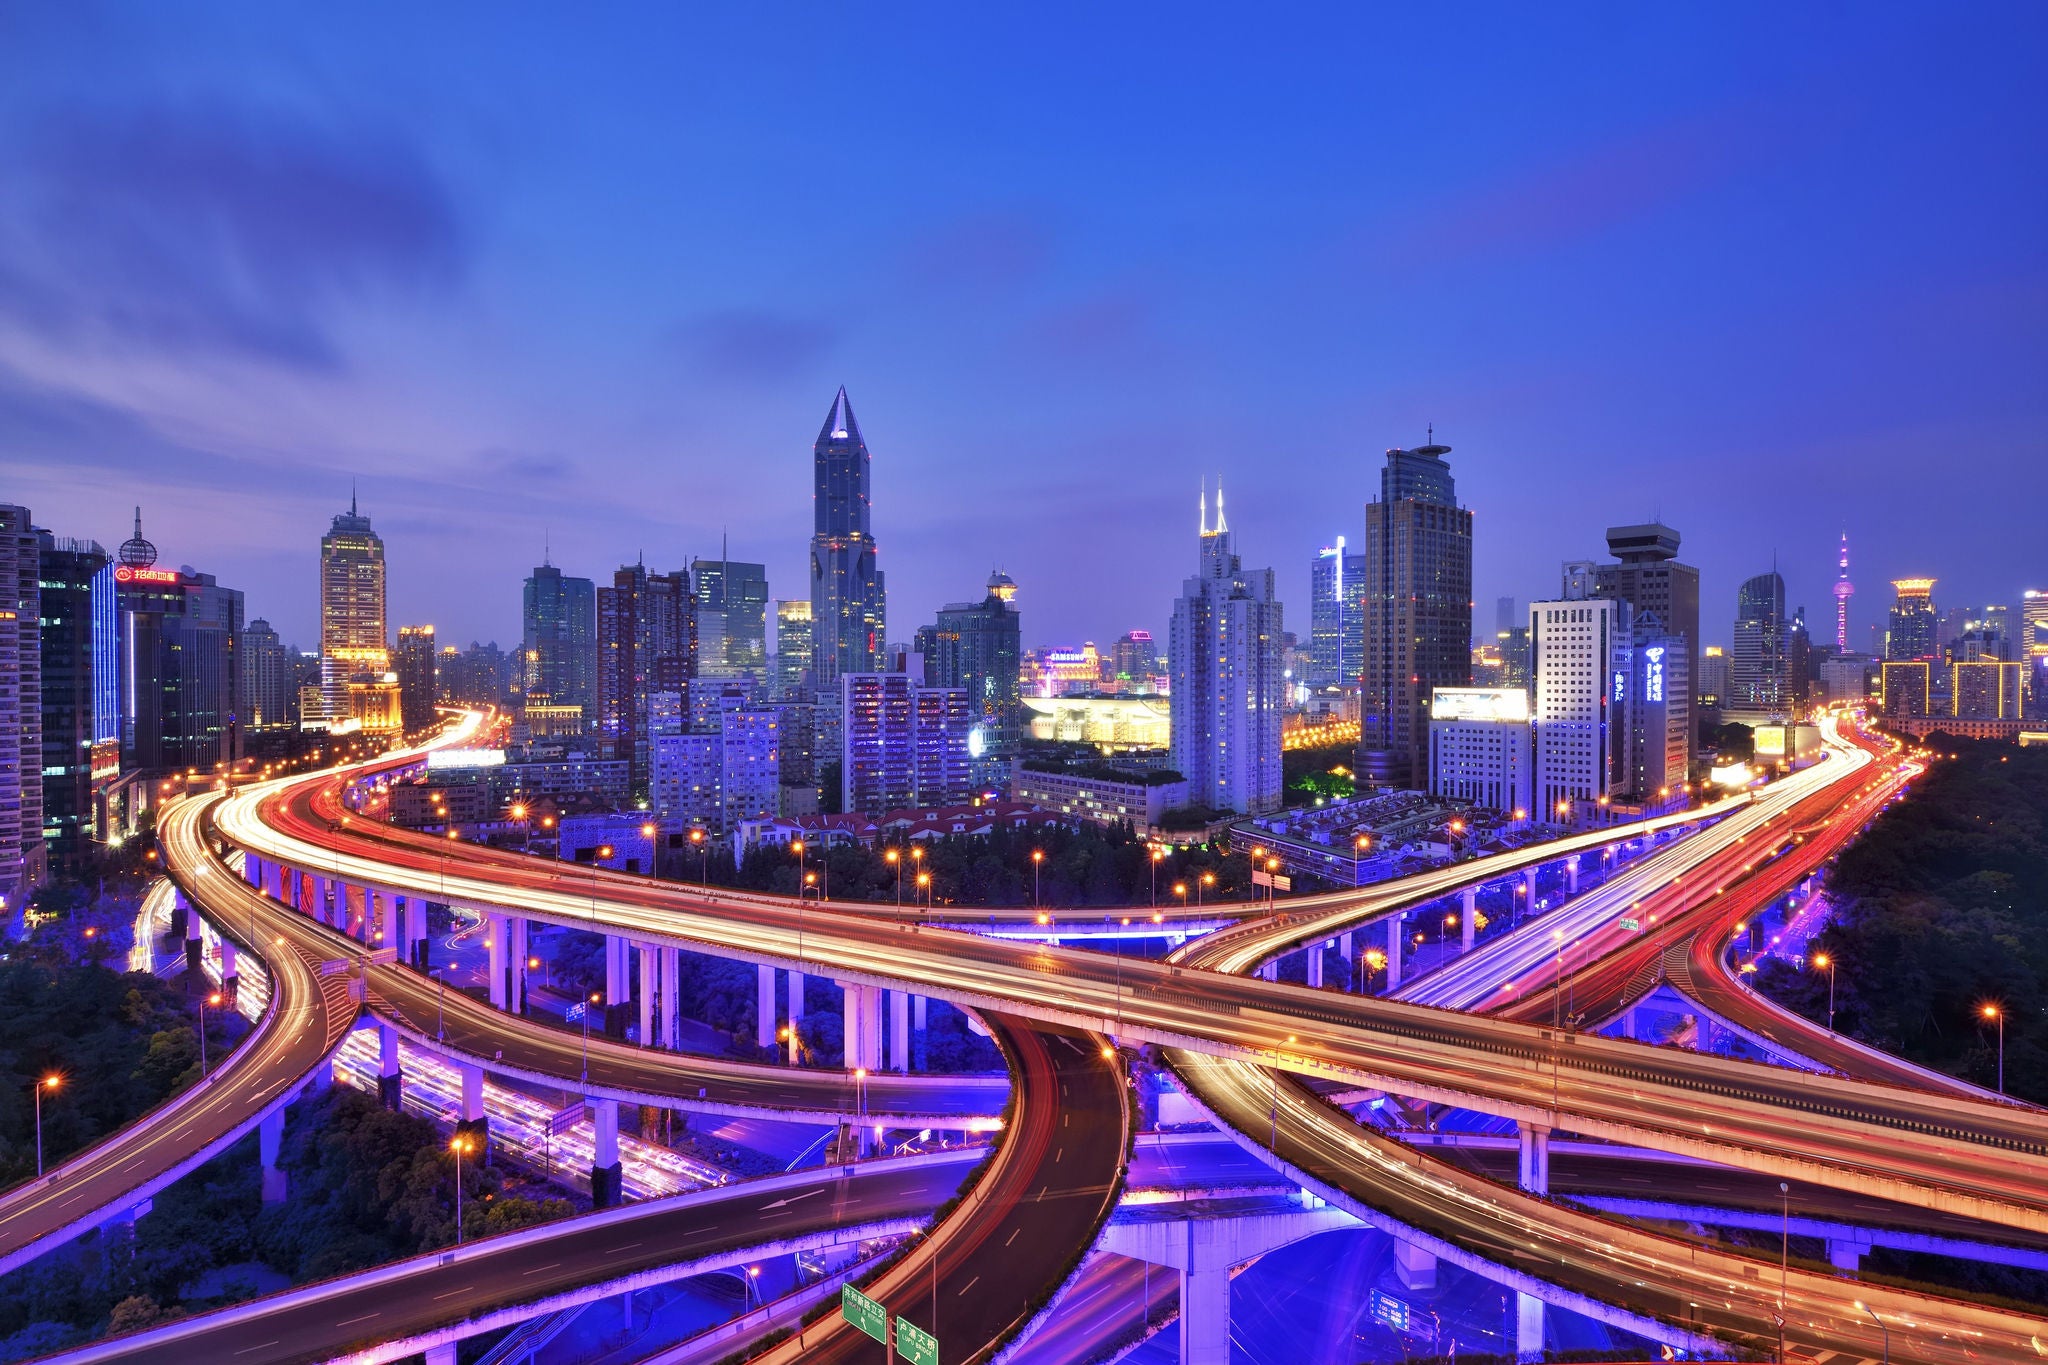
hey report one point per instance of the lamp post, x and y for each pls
(895, 859)
(1358, 848)
(648, 832)
(440, 999)
(703, 857)
(49, 1082)
(1181, 889)
(1158, 855)
(204, 1001)
(1997, 1016)
(1827, 964)
(1884, 1330)
(1784, 1258)
(458, 1145)
(1205, 880)
(1272, 886)
(924, 884)
(604, 853)
(1037, 859)
(595, 997)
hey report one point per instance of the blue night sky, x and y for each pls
(594, 273)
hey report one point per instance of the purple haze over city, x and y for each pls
(1766, 276)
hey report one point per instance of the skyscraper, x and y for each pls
(268, 693)
(1579, 655)
(1913, 633)
(795, 647)
(1844, 590)
(847, 599)
(79, 729)
(558, 642)
(1756, 662)
(736, 593)
(1336, 630)
(1224, 647)
(202, 675)
(418, 682)
(354, 640)
(978, 646)
(1664, 608)
(903, 744)
(1418, 610)
(647, 654)
(2034, 647)
(21, 708)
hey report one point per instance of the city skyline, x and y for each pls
(1045, 349)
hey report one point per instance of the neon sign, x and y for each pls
(128, 573)
(1653, 683)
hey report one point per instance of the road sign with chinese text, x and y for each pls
(916, 1345)
(864, 1313)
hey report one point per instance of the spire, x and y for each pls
(1220, 526)
(352, 497)
(1204, 507)
(135, 552)
(839, 423)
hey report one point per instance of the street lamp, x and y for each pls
(1358, 848)
(204, 1001)
(647, 832)
(1272, 886)
(1158, 854)
(1997, 1016)
(1827, 964)
(1037, 858)
(458, 1144)
(1887, 1332)
(49, 1082)
(1206, 879)
(594, 999)
(703, 857)
(895, 860)
(924, 884)
(798, 845)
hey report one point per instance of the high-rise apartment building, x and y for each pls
(1756, 662)
(902, 743)
(795, 645)
(1914, 629)
(558, 643)
(2033, 637)
(1504, 618)
(1986, 689)
(847, 596)
(1228, 687)
(419, 685)
(269, 685)
(1580, 657)
(1133, 660)
(978, 646)
(1479, 748)
(1712, 688)
(732, 598)
(1664, 605)
(1418, 610)
(21, 710)
(1336, 630)
(80, 735)
(354, 640)
(647, 655)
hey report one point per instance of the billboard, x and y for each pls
(1504, 704)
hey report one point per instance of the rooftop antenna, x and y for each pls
(545, 560)
(1220, 527)
(351, 497)
(1204, 507)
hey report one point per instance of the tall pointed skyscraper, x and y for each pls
(353, 639)
(1227, 686)
(846, 588)
(1418, 611)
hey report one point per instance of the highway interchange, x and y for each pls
(1229, 1037)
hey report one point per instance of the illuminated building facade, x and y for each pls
(1228, 687)
(558, 642)
(1481, 749)
(902, 743)
(1580, 658)
(1062, 670)
(732, 598)
(1905, 693)
(21, 709)
(1986, 689)
(77, 624)
(794, 646)
(1913, 629)
(418, 684)
(269, 681)
(1844, 590)
(354, 639)
(976, 646)
(646, 657)
(1418, 611)
(847, 593)
(1664, 606)
(1757, 663)
(1336, 630)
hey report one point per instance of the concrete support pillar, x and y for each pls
(474, 1122)
(764, 1006)
(1344, 948)
(1628, 1023)
(671, 997)
(1270, 972)
(313, 895)
(252, 870)
(1846, 1256)
(1528, 1327)
(389, 1083)
(1571, 874)
(647, 965)
(1534, 1174)
(391, 923)
(1315, 964)
(1205, 1316)
(899, 1031)
(618, 984)
(498, 935)
(796, 996)
(416, 933)
(1397, 936)
(606, 1173)
(230, 981)
(1468, 918)
(195, 946)
(1415, 1267)
(269, 1138)
(515, 985)
(1529, 890)
(863, 1026)
(920, 1009)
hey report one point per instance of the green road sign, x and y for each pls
(916, 1345)
(864, 1313)
(1631, 925)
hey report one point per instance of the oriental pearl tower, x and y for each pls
(1843, 591)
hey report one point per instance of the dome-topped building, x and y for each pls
(135, 552)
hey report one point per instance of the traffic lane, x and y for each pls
(352, 1316)
(990, 971)
(1605, 1260)
(483, 1032)
(1040, 1212)
(281, 1050)
(1111, 1299)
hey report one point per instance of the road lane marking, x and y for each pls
(627, 1247)
(969, 1285)
(246, 1349)
(364, 1318)
(453, 1292)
